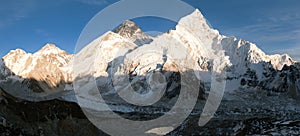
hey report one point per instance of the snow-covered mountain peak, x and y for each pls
(129, 23)
(196, 20)
(194, 26)
(132, 32)
(279, 60)
(16, 59)
(198, 13)
(50, 49)
(49, 60)
(18, 52)
(127, 28)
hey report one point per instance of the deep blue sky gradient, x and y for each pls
(274, 25)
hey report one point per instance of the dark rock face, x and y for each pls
(127, 29)
(249, 78)
(132, 32)
(52, 117)
(278, 81)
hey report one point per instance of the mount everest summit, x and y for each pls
(50, 73)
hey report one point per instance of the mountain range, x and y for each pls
(50, 73)
(50, 70)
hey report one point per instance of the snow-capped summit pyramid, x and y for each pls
(50, 49)
(132, 32)
(197, 24)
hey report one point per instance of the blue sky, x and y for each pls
(274, 25)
